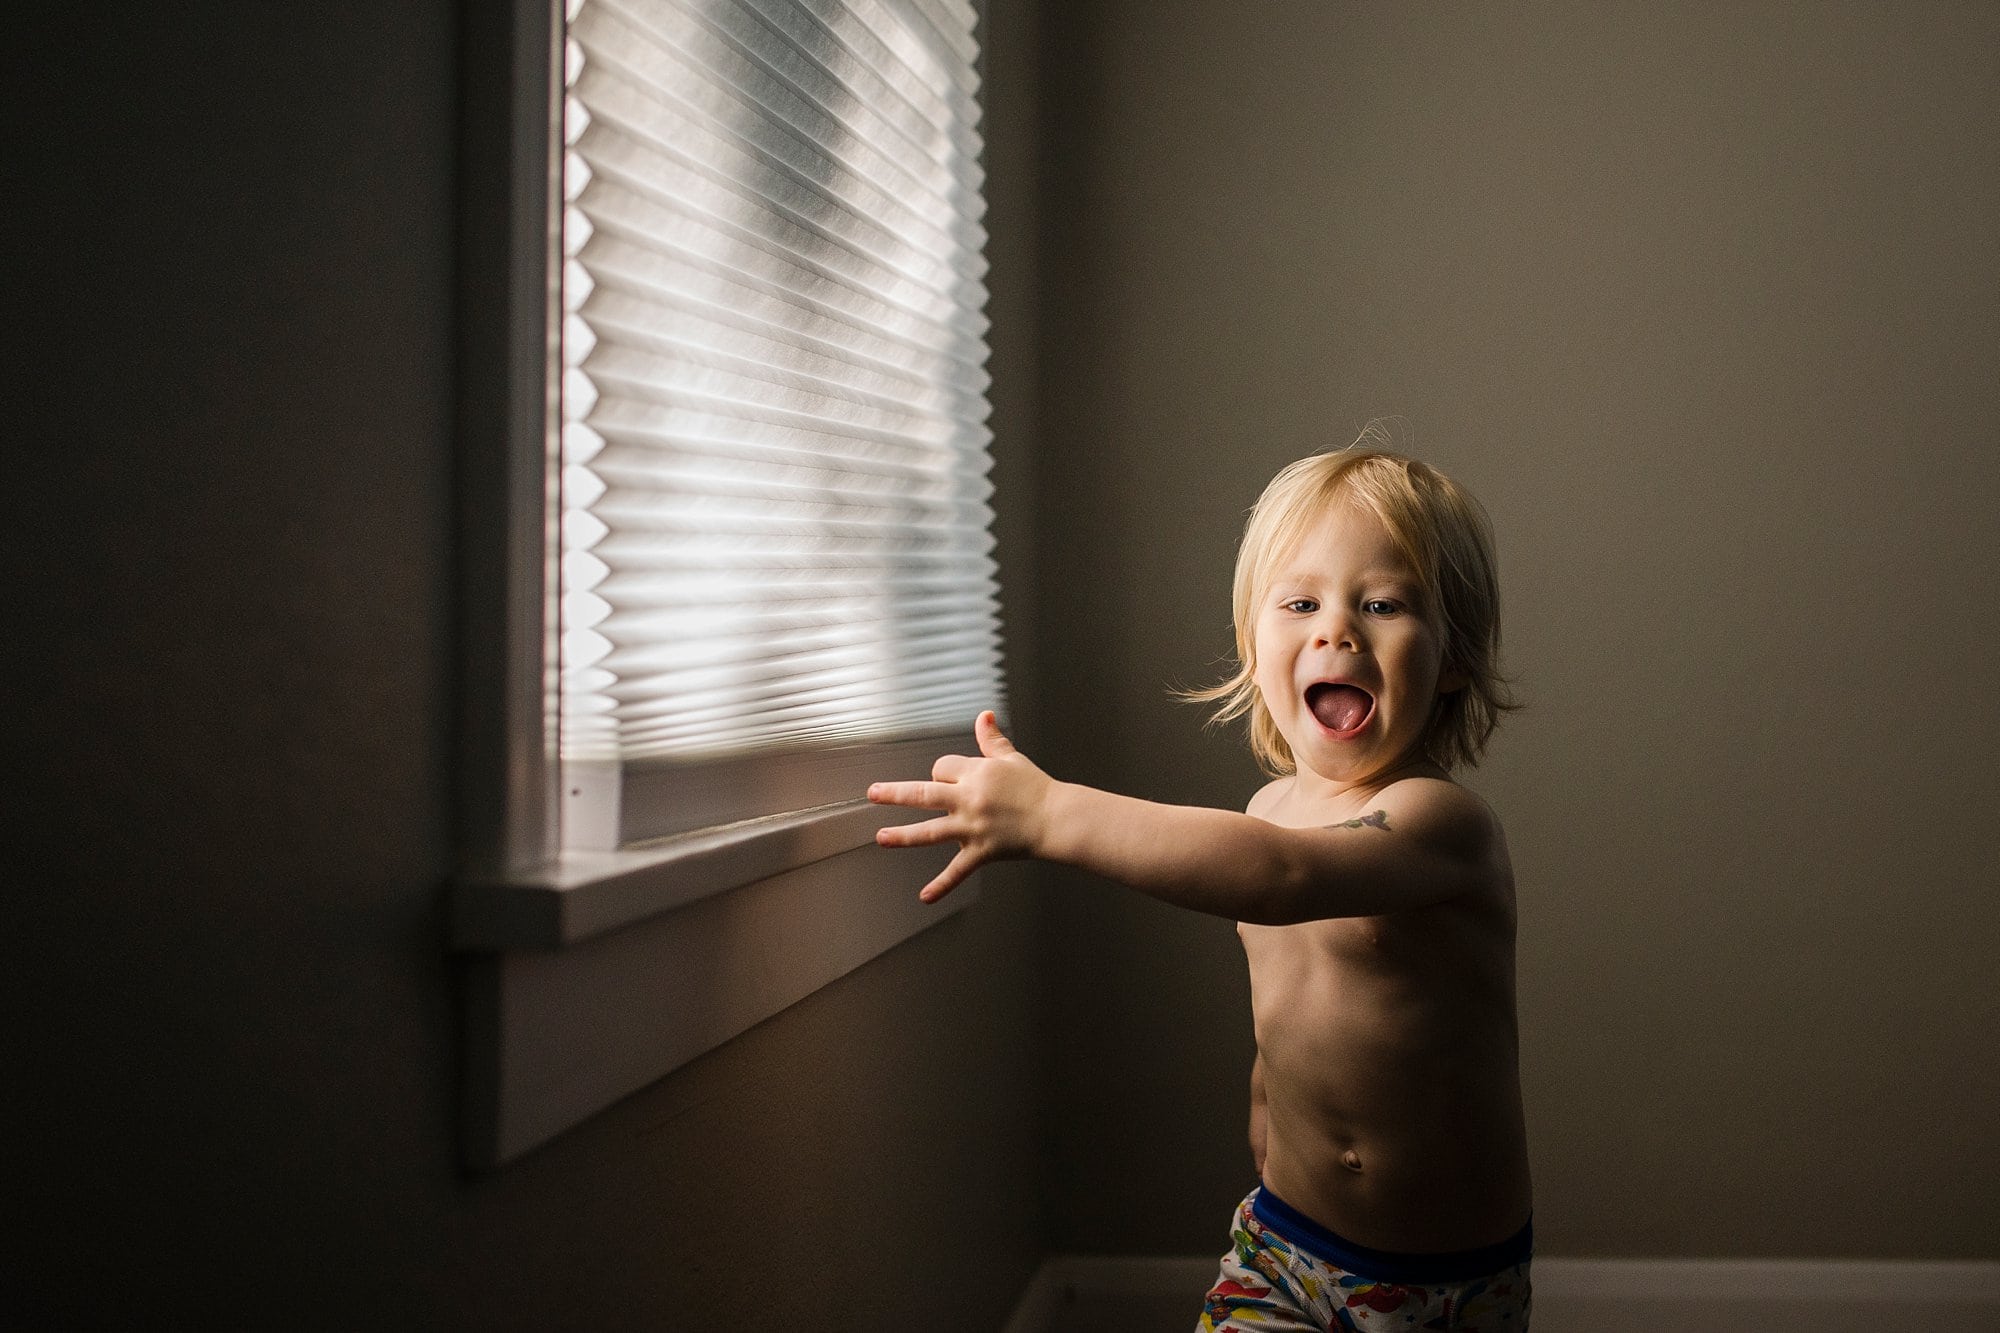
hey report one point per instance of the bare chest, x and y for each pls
(1322, 947)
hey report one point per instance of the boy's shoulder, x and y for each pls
(1442, 807)
(1430, 794)
(1428, 806)
(1268, 796)
(1451, 822)
(1438, 791)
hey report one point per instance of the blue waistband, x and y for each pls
(1386, 1265)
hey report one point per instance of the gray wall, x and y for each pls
(1704, 306)
(1704, 300)
(231, 1045)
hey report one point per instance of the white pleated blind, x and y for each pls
(774, 513)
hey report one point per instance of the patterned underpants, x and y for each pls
(1286, 1272)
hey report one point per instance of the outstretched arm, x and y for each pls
(1430, 841)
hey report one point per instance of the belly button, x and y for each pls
(1351, 1160)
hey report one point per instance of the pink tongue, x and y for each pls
(1339, 707)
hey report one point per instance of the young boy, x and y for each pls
(1373, 895)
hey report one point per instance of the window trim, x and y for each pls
(577, 896)
(660, 951)
(508, 468)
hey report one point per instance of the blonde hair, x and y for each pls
(1445, 535)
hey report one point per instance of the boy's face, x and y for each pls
(1350, 661)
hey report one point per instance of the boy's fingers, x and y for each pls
(951, 876)
(920, 795)
(914, 835)
(948, 767)
(991, 742)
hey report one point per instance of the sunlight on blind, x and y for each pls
(775, 519)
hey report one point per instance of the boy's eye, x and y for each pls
(1380, 606)
(1302, 605)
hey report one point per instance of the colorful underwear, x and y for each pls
(1287, 1272)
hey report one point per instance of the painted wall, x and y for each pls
(1704, 300)
(231, 1043)
(1703, 303)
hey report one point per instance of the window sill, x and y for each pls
(582, 895)
(602, 972)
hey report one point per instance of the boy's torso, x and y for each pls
(1391, 1073)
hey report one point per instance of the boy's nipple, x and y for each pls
(1351, 1160)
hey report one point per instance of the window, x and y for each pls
(723, 304)
(773, 441)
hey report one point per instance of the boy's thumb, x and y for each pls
(991, 742)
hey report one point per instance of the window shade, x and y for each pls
(774, 506)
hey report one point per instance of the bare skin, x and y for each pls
(1386, 1100)
(1373, 896)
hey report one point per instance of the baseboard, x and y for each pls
(1765, 1295)
(1145, 1294)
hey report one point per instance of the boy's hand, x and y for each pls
(994, 807)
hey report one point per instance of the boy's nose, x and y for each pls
(1339, 631)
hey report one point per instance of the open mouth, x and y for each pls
(1339, 708)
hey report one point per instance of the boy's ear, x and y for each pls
(1451, 680)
